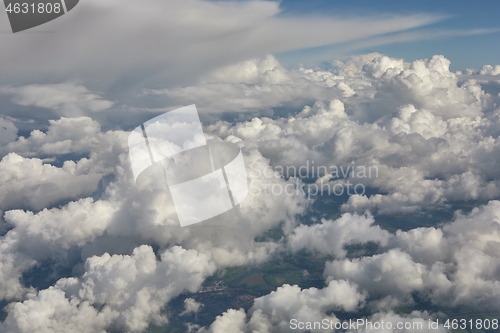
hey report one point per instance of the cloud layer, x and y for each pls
(431, 134)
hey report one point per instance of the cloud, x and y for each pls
(122, 216)
(390, 273)
(67, 98)
(34, 183)
(75, 137)
(48, 234)
(56, 314)
(331, 237)
(162, 42)
(416, 321)
(8, 131)
(123, 292)
(28, 183)
(259, 84)
(418, 123)
(489, 70)
(456, 265)
(426, 84)
(431, 134)
(276, 309)
(191, 306)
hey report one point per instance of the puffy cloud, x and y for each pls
(291, 302)
(29, 183)
(389, 273)
(383, 66)
(67, 98)
(258, 70)
(410, 120)
(427, 84)
(490, 70)
(273, 312)
(150, 216)
(432, 136)
(230, 321)
(55, 313)
(12, 264)
(135, 216)
(121, 292)
(191, 306)
(74, 224)
(255, 85)
(48, 234)
(76, 135)
(456, 265)
(24, 179)
(78, 144)
(330, 237)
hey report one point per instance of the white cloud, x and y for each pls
(490, 70)
(432, 136)
(330, 237)
(390, 273)
(67, 98)
(55, 313)
(123, 292)
(456, 265)
(415, 321)
(29, 183)
(48, 234)
(274, 311)
(124, 216)
(163, 42)
(191, 306)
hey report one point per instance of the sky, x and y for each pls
(364, 85)
(461, 17)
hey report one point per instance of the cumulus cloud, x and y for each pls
(431, 134)
(331, 237)
(119, 292)
(428, 132)
(67, 98)
(29, 183)
(258, 84)
(34, 183)
(191, 306)
(456, 265)
(290, 302)
(48, 234)
(123, 216)
(415, 321)
(490, 70)
(74, 137)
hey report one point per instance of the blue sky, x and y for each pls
(458, 19)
